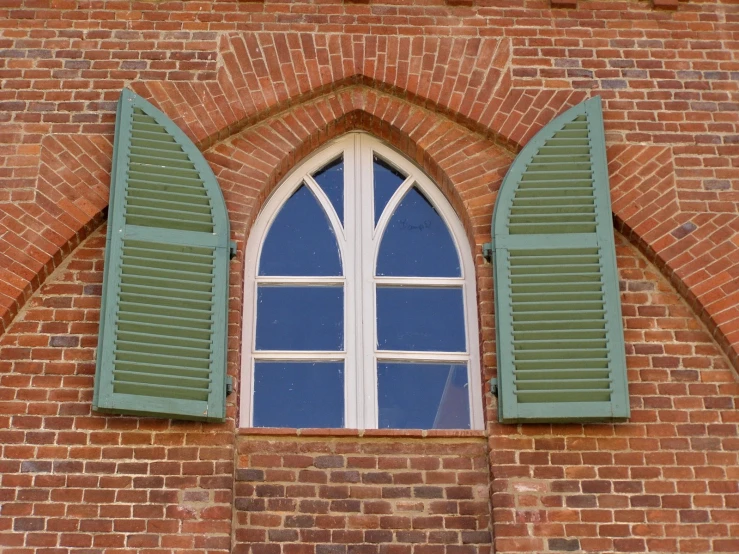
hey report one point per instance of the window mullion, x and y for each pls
(367, 393)
(353, 304)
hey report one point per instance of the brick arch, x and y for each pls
(466, 166)
(263, 72)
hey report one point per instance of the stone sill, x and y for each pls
(389, 433)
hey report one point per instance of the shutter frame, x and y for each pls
(169, 240)
(509, 248)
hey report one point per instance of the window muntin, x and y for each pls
(406, 310)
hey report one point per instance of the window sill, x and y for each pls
(411, 433)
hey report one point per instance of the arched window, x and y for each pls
(362, 309)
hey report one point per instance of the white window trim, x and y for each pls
(358, 247)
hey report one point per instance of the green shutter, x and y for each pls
(560, 341)
(162, 342)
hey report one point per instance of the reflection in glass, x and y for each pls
(425, 319)
(417, 242)
(422, 396)
(300, 318)
(331, 180)
(300, 240)
(298, 394)
(387, 181)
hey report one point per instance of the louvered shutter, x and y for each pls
(558, 316)
(162, 342)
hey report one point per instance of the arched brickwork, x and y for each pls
(467, 167)
(503, 73)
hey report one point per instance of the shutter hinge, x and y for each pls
(229, 385)
(494, 387)
(232, 249)
(487, 251)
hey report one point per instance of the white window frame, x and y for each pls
(358, 243)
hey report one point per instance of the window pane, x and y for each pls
(300, 240)
(422, 396)
(300, 318)
(387, 181)
(417, 242)
(298, 394)
(426, 319)
(331, 180)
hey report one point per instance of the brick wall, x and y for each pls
(458, 87)
(343, 494)
(75, 481)
(666, 481)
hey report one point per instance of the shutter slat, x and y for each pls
(158, 282)
(158, 158)
(169, 205)
(559, 336)
(161, 349)
(166, 183)
(155, 328)
(162, 344)
(154, 390)
(162, 369)
(148, 359)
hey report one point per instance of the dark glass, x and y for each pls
(331, 180)
(422, 396)
(417, 242)
(425, 319)
(387, 180)
(298, 394)
(300, 318)
(300, 240)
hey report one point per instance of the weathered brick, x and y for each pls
(564, 545)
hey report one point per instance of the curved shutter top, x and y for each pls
(558, 318)
(162, 343)
(170, 185)
(558, 184)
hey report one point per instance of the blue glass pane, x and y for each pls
(298, 394)
(300, 240)
(387, 181)
(425, 319)
(331, 180)
(417, 242)
(422, 396)
(300, 318)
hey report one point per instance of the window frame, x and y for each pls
(359, 244)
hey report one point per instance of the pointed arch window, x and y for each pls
(364, 312)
